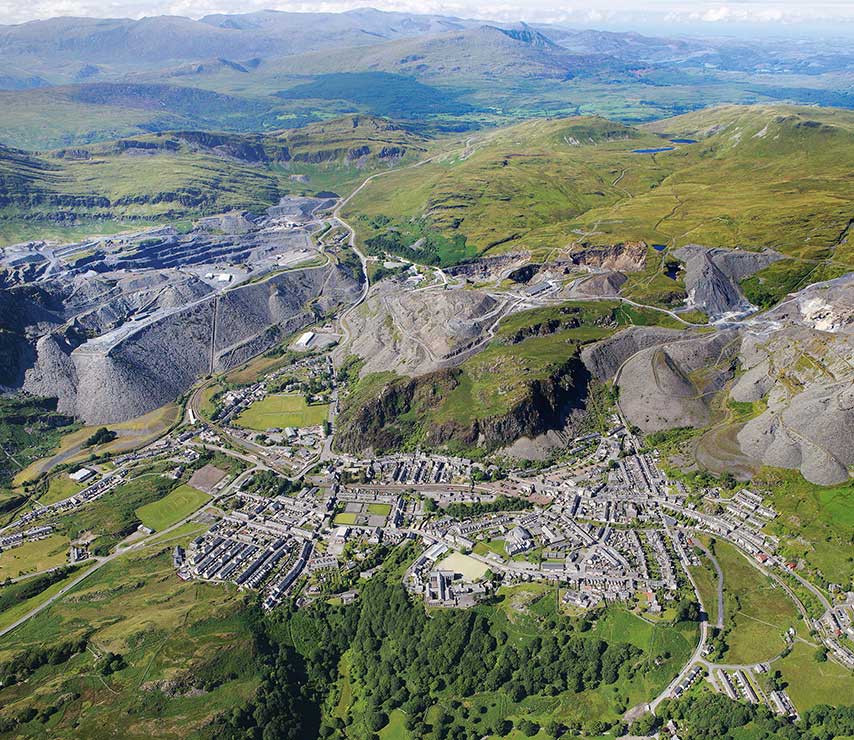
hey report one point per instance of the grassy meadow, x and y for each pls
(172, 508)
(282, 410)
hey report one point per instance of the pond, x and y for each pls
(659, 247)
(654, 151)
(683, 141)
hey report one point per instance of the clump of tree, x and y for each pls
(268, 483)
(111, 663)
(24, 664)
(101, 436)
(407, 660)
(688, 610)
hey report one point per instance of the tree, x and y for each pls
(529, 728)
(101, 436)
(688, 611)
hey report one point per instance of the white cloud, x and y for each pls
(591, 13)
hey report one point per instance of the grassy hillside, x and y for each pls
(754, 177)
(523, 383)
(176, 174)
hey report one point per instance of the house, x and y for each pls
(83, 474)
(518, 540)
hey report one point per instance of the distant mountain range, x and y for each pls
(273, 68)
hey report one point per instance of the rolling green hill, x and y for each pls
(188, 173)
(749, 177)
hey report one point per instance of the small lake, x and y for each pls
(654, 151)
(683, 141)
(659, 247)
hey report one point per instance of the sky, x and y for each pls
(733, 17)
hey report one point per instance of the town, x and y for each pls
(293, 520)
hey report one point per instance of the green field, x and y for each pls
(345, 518)
(811, 682)
(706, 578)
(114, 516)
(280, 411)
(757, 610)
(379, 509)
(34, 556)
(174, 507)
(496, 546)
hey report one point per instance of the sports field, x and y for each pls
(379, 509)
(471, 569)
(283, 410)
(172, 508)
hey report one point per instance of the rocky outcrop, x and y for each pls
(388, 421)
(796, 359)
(489, 268)
(624, 256)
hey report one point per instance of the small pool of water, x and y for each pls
(659, 247)
(654, 151)
(683, 141)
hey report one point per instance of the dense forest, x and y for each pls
(428, 666)
(402, 658)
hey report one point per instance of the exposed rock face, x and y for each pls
(802, 365)
(413, 333)
(130, 371)
(625, 256)
(384, 423)
(712, 275)
(489, 268)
